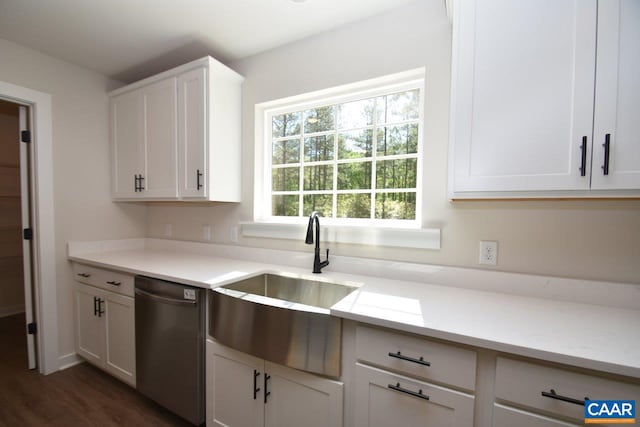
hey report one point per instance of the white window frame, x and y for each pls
(401, 233)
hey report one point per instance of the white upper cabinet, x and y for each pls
(617, 107)
(176, 135)
(522, 117)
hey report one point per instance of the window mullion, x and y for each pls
(374, 151)
(335, 162)
(301, 173)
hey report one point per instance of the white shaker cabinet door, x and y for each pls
(127, 148)
(235, 388)
(384, 399)
(617, 104)
(160, 135)
(300, 399)
(522, 95)
(120, 344)
(89, 330)
(192, 133)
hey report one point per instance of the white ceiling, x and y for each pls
(131, 39)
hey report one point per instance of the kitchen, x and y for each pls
(595, 240)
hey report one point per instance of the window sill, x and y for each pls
(416, 238)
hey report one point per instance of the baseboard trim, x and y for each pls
(11, 310)
(68, 360)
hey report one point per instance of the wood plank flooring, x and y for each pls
(79, 396)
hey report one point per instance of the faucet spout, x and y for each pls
(317, 264)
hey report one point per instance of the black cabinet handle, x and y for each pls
(140, 180)
(95, 306)
(409, 392)
(607, 147)
(100, 309)
(135, 183)
(583, 160)
(553, 395)
(256, 389)
(198, 175)
(401, 356)
(85, 275)
(266, 392)
(114, 283)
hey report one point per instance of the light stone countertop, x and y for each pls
(587, 335)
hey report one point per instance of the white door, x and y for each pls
(90, 332)
(408, 403)
(299, 399)
(504, 416)
(25, 208)
(522, 103)
(236, 389)
(617, 105)
(120, 352)
(160, 178)
(192, 133)
(126, 144)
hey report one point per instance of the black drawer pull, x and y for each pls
(409, 392)
(85, 275)
(114, 283)
(420, 361)
(95, 306)
(267, 377)
(198, 175)
(607, 148)
(553, 395)
(583, 157)
(100, 307)
(256, 389)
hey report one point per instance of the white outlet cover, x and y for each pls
(488, 252)
(206, 232)
(168, 230)
(233, 234)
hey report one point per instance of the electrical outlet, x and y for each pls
(206, 232)
(488, 252)
(168, 230)
(233, 234)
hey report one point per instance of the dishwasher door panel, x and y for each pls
(170, 329)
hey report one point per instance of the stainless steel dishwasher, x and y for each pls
(170, 352)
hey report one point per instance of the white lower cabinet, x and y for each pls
(386, 399)
(504, 416)
(105, 333)
(245, 391)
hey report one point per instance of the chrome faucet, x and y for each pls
(317, 264)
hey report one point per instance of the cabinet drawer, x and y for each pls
(509, 417)
(114, 281)
(523, 383)
(417, 357)
(384, 399)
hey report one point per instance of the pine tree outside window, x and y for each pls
(355, 159)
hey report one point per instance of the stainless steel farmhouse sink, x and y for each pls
(282, 319)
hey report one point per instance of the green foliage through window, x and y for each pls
(357, 159)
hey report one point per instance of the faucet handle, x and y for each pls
(327, 253)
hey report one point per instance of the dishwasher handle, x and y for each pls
(165, 300)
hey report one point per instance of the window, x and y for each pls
(354, 158)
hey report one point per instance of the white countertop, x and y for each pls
(599, 337)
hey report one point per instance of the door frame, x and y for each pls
(42, 205)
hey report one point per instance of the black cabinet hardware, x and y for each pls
(32, 328)
(607, 146)
(553, 395)
(85, 275)
(114, 283)
(27, 234)
(135, 184)
(583, 160)
(95, 306)
(100, 307)
(141, 180)
(198, 176)
(256, 389)
(401, 356)
(266, 392)
(409, 392)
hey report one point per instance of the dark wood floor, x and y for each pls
(78, 396)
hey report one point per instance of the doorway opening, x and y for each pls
(16, 287)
